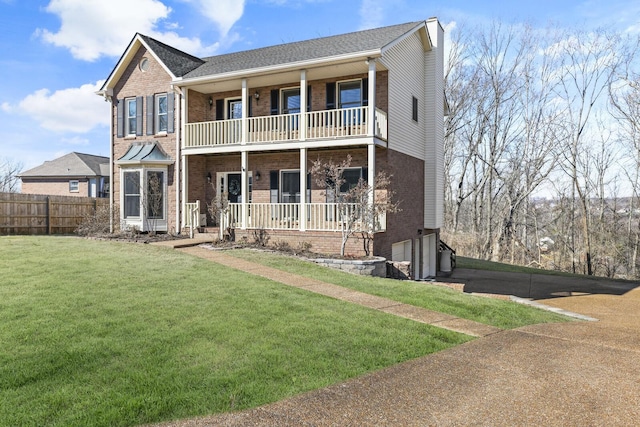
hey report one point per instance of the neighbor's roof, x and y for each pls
(325, 47)
(70, 165)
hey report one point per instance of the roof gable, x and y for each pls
(175, 62)
(69, 165)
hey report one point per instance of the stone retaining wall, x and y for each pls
(376, 267)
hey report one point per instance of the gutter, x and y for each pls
(272, 69)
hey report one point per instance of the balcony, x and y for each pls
(320, 125)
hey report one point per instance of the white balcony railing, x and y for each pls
(286, 216)
(220, 132)
(327, 124)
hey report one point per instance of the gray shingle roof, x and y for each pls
(180, 63)
(302, 51)
(70, 165)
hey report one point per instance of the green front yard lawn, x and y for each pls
(503, 314)
(113, 334)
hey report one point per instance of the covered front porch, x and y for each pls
(276, 191)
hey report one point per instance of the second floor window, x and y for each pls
(131, 119)
(161, 113)
(350, 94)
(291, 101)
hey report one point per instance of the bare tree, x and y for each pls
(358, 208)
(589, 62)
(9, 170)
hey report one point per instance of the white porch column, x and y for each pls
(371, 172)
(303, 190)
(185, 164)
(244, 183)
(371, 116)
(303, 106)
(245, 112)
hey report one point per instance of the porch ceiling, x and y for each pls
(333, 70)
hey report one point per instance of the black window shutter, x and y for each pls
(365, 92)
(273, 186)
(308, 98)
(250, 107)
(365, 174)
(139, 102)
(150, 105)
(120, 117)
(219, 109)
(170, 113)
(331, 96)
(273, 180)
(275, 95)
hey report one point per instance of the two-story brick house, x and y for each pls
(250, 124)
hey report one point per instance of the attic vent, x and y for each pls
(144, 64)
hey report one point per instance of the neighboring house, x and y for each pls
(75, 174)
(239, 124)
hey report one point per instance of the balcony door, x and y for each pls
(234, 109)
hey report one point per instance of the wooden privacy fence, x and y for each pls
(39, 214)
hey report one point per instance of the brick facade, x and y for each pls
(133, 83)
(55, 187)
(407, 170)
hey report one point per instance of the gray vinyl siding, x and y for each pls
(412, 72)
(405, 62)
(434, 115)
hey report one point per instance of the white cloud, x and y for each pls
(224, 13)
(91, 29)
(6, 107)
(68, 110)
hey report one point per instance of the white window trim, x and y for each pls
(339, 100)
(127, 131)
(156, 113)
(77, 186)
(228, 101)
(141, 221)
(281, 101)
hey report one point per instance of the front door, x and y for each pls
(234, 187)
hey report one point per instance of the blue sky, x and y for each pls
(54, 54)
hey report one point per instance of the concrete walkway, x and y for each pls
(570, 374)
(418, 314)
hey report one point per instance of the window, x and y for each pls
(131, 116)
(349, 94)
(415, 109)
(290, 182)
(74, 186)
(144, 64)
(234, 109)
(161, 119)
(155, 194)
(351, 178)
(131, 194)
(291, 101)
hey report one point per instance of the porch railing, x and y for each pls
(213, 133)
(327, 124)
(286, 216)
